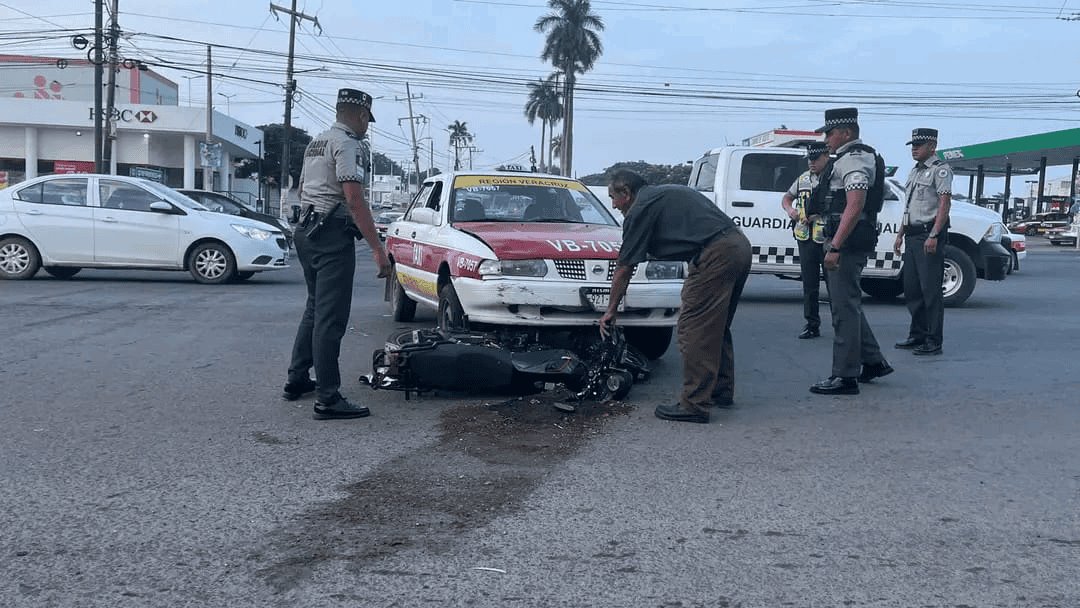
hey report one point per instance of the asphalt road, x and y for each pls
(147, 460)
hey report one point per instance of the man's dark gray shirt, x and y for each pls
(670, 222)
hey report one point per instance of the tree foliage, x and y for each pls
(653, 174)
(271, 148)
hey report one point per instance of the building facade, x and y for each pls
(47, 126)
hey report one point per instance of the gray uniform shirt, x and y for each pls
(335, 156)
(925, 185)
(670, 222)
(854, 170)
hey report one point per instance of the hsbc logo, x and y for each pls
(143, 116)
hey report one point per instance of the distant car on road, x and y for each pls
(383, 221)
(1041, 223)
(65, 223)
(222, 203)
(1067, 237)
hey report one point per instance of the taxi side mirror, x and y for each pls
(423, 215)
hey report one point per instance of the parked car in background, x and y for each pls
(1067, 237)
(383, 221)
(219, 202)
(1041, 223)
(65, 223)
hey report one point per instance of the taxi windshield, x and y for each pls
(484, 199)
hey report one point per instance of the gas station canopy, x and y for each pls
(1024, 155)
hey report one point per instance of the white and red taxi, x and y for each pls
(522, 249)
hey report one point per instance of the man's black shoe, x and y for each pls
(295, 389)
(835, 385)
(929, 348)
(339, 408)
(908, 343)
(809, 332)
(678, 414)
(869, 372)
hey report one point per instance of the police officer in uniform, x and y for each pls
(851, 236)
(924, 235)
(332, 210)
(808, 231)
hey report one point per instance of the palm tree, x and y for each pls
(572, 46)
(543, 104)
(459, 138)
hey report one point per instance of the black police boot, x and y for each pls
(809, 332)
(339, 408)
(835, 385)
(928, 348)
(295, 389)
(909, 343)
(877, 370)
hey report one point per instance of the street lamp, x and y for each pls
(228, 108)
(189, 79)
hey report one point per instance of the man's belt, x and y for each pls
(917, 229)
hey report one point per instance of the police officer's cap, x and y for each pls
(922, 135)
(816, 149)
(839, 117)
(357, 97)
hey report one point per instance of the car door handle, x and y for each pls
(741, 204)
(34, 212)
(110, 219)
(413, 235)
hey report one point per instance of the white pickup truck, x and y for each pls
(747, 183)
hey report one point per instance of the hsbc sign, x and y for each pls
(143, 116)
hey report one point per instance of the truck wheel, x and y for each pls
(960, 276)
(653, 342)
(451, 314)
(882, 289)
(403, 308)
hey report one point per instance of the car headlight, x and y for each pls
(252, 232)
(995, 232)
(513, 268)
(660, 270)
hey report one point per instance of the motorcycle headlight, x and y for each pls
(513, 268)
(251, 232)
(660, 270)
(995, 232)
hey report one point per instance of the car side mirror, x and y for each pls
(423, 215)
(163, 207)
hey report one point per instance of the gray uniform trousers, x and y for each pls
(329, 261)
(923, 275)
(854, 343)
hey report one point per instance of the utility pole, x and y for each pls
(471, 150)
(99, 141)
(412, 127)
(110, 107)
(290, 90)
(208, 171)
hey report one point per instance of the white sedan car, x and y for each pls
(526, 251)
(65, 223)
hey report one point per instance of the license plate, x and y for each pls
(600, 298)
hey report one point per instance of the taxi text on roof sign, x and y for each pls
(468, 181)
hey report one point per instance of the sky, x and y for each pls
(675, 79)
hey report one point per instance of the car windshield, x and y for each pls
(172, 196)
(497, 198)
